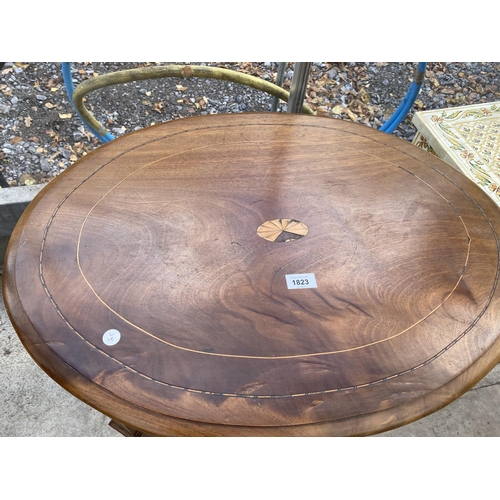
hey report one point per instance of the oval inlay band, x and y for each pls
(282, 230)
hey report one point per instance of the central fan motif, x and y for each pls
(282, 230)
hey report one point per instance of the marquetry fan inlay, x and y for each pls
(282, 230)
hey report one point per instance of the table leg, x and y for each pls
(126, 431)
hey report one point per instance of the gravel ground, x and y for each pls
(40, 134)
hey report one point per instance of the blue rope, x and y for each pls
(70, 88)
(389, 126)
(398, 116)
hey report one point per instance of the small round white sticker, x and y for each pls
(111, 337)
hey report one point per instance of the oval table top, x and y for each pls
(259, 274)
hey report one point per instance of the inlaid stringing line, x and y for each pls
(176, 346)
(253, 396)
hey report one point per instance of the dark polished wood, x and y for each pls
(180, 237)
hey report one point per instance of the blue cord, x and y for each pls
(389, 126)
(68, 83)
(398, 116)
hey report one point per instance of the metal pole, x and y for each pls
(279, 81)
(299, 85)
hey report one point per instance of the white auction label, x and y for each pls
(307, 280)
(111, 337)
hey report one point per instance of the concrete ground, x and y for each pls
(32, 404)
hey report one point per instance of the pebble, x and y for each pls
(27, 180)
(45, 165)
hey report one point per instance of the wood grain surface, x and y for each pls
(179, 238)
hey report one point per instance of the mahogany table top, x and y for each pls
(259, 274)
